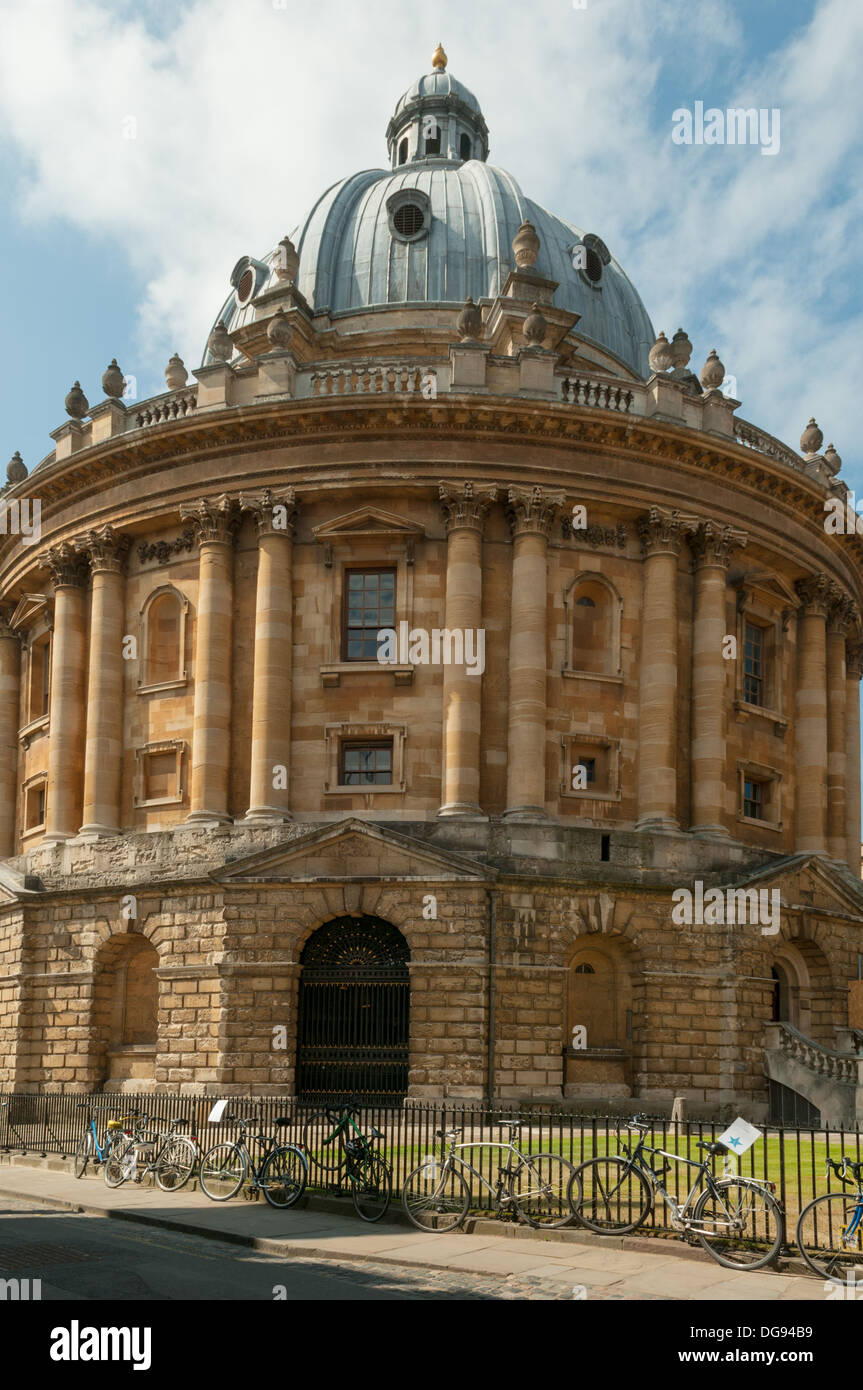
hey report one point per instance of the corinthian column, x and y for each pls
(661, 537)
(269, 795)
(10, 676)
(215, 521)
(465, 508)
(810, 724)
(842, 617)
(853, 673)
(532, 513)
(68, 677)
(711, 551)
(103, 753)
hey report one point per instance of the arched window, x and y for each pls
(593, 629)
(464, 147)
(432, 140)
(584, 969)
(164, 639)
(403, 151)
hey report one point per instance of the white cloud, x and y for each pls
(245, 112)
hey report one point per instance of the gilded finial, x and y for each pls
(439, 59)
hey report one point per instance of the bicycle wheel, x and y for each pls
(223, 1171)
(177, 1164)
(746, 1224)
(372, 1187)
(84, 1153)
(613, 1196)
(540, 1190)
(121, 1164)
(284, 1176)
(324, 1143)
(436, 1197)
(830, 1237)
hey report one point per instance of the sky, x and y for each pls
(145, 147)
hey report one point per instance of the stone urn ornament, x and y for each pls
(713, 372)
(811, 439)
(288, 261)
(469, 322)
(113, 381)
(221, 346)
(535, 327)
(176, 375)
(525, 246)
(681, 349)
(661, 356)
(16, 468)
(280, 331)
(76, 402)
(832, 459)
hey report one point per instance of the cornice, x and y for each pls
(291, 423)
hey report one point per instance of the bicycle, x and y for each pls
(837, 1217)
(614, 1194)
(94, 1147)
(437, 1195)
(280, 1172)
(349, 1153)
(172, 1156)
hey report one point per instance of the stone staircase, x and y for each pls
(831, 1081)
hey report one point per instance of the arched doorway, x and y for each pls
(353, 1018)
(125, 1012)
(599, 1029)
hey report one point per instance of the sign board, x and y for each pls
(217, 1112)
(739, 1136)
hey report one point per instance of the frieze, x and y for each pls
(164, 550)
(613, 537)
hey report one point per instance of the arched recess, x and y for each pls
(803, 993)
(594, 611)
(353, 1019)
(599, 1000)
(163, 639)
(124, 1036)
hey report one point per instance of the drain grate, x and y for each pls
(40, 1254)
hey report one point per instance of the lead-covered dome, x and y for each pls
(438, 227)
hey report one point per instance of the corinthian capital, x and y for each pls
(6, 629)
(844, 615)
(215, 519)
(712, 545)
(532, 510)
(68, 568)
(661, 531)
(105, 548)
(274, 512)
(465, 505)
(817, 593)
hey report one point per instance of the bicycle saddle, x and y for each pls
(711, 1146)
(507, 1124)
(447, 1133)
(375, 1133)
(282, 1122)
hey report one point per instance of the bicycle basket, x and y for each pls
(114, 1125)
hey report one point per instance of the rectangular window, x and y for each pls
(160, 776)
(367, 764)
(40, 678)
(34, 807)
(753, 670)
(369, 606)
(753, 799)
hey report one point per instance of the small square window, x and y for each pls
(34, 806)
(367, 764)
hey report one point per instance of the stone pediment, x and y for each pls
(368, 523)
(29, 609)
(808, 883)
(354, 850)
(769, 586)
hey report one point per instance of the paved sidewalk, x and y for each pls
(563, 1266)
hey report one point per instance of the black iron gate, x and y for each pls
(788, 1109)
(352, 1031)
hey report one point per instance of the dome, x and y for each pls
(438, 227)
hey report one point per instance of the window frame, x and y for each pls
(379, 570)
(349, 745)
(140, 800)
(769, 778)
(146, 686)
(37, 783)
(335, 735)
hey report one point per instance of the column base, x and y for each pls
(205, 818)
(663, 825)
(710, 832)
(465, 810)
(265, 815)
(98, 832)
(58, 837)
(526, 813)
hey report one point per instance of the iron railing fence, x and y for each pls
(794, 1159)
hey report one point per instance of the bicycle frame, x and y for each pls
(452, 1158)
(679, 1211)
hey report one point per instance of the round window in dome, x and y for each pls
(246, 285)
(593, 266)
(408, 219)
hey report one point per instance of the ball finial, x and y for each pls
(16, 469)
